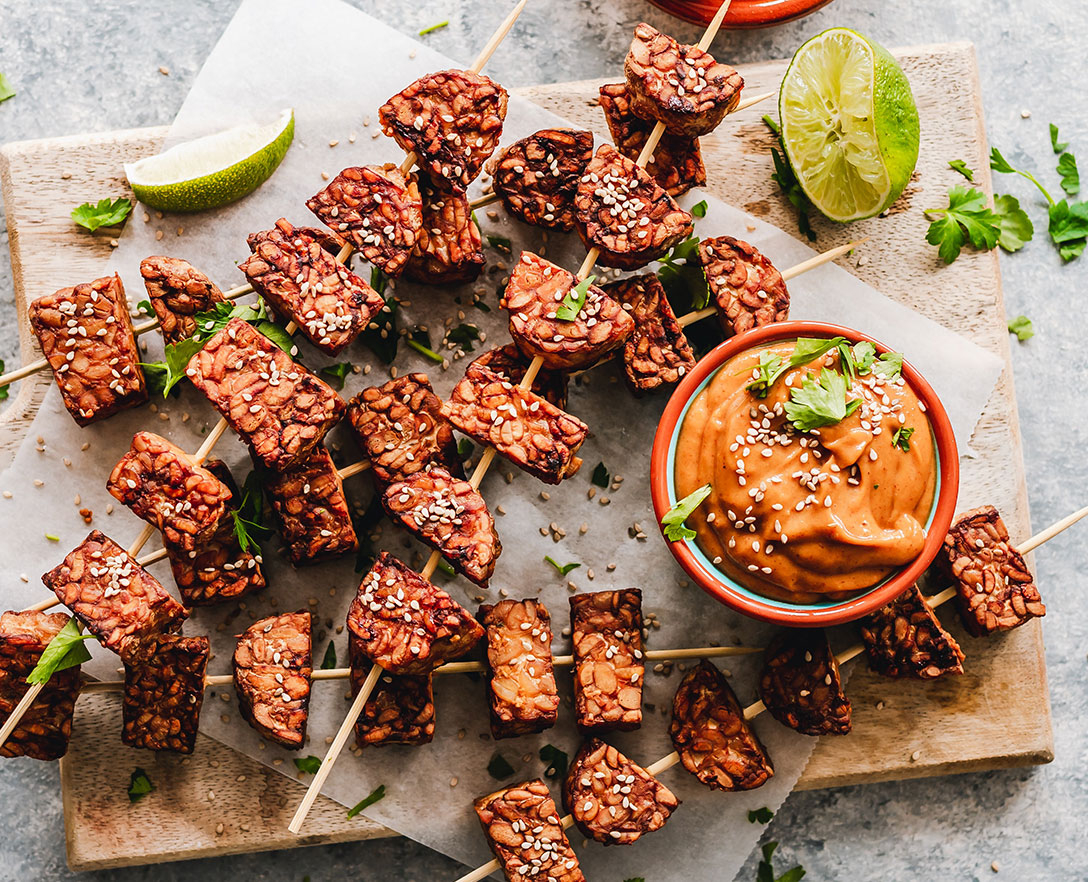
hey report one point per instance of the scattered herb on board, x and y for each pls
(574, 301)
(329, 661)
(433, 28)
(445, 566)
(1067, 168)
(250, 523)
(600, 475)
(499, 768)
(961, 166)
(145, 307)
(760, 815)
(556, 760)
(673, 522)
(6, 90)
(562, 569)
(901, 438)
(464, 335)
(765, 871)
(682, 277)
(381, 333)
(1059, 146)
(52, 538)
(139, 785)
(820, 402)
(420, 341)
(699, 209)
(365, 526)
(785, 178)
(105, 214)
(1021, 326)
(65, 650)
(376, 795)
(337, 372)
(308, 764)
(464, 449)
(3, 389)
(501, 243)
(968, 219)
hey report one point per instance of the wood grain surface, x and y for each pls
(997, 715)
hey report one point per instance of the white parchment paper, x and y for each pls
(270, 57)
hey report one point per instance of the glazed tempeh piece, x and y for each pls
(509, 362)
(905, 639)
(451, 120)
(612, 799)
(377, 209)
(710, 733)
(657, 352)
(525, 428)
(681, 86)
(166, 487)
(401, 430)
(521, 681)
(525, 834)
(86, 336)
(744, 285)
(625, 213)
(676, 162)
(449, 250)
(272, 674)
(304, 283)
(447, 514)
(606, 634)
(406, 624)
(534, 293)
(801, 686)
(995, 590)
(538, 176)
(120, 602)
(311, 509)
(163, 696)
(280, 409)
(177, 291)
(45, 728)
(400, 710)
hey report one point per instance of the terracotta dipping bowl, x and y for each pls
(742, 13)
(732, 592)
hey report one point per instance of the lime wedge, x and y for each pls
(214, 170)
(849, 124)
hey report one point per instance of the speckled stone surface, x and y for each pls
(81, 66)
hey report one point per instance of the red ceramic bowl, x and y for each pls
(742, 13)
(731, 592)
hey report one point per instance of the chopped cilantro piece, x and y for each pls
(377, 794)
(1059, 146)
(1022, 327)
(337, 372)
(65, 650)
(139, 785)
(699, 209)
(961, 166)
(329, 661)
(499, 768)
(600, 476)
(556, 760)
(820, 402)
(901, 438)
(464, 335)
(673, 522)
(435, 27)
(574, 301)
(308, 764)
(561, 569)
(760, 815)
(104, 214)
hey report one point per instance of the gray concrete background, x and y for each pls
(81, 67)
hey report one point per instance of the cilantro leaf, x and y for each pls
(600, 476)
(673, 522)
(308, 764)
(965, 219)
(564, 568)
(329, 661)
(1067, 168)
(464, 449)
(139, 785)
(1068, 228)
(377, 794)
(1022, 327)
(445, 566)
(1059, 146)
(365, 529)
(433, 28)
(1016, 228)
(104, 214)
(65, 650)
(3, 389)
(820, 402)
(499, 768)
(636, 879)
(770, 368)
(787, 181)
(961, 166)
(249, 516)
(765, 871)
(464, 335)
(806, 349)
(337, 372)
(145, 307)
(760, 815)
(699, 209)
(277, 335)
(682, 276)
(420, 341)
(381, 333)
(574, 301)
(163, 376)
(890, 365)
(1001, 165)
(6, 90)
(501, 243)
(556, 760)
(863, 354)
(901, 438)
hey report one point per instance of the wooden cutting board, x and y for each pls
(997, 715)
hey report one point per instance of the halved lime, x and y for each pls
(214, 170)
(849, 124)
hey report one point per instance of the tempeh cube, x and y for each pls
(535, 292)
(905, 639)
(86, 336)
(304, 283)
(527, 429)
(377, 209)
(406, 624)
(681, 86)
(280, 409)
(451, 120)
(744, 285)
(525, 834)
(166, 487)
(46, 726)
(401, 430)
(449, 250)
(450, 516)
(400, 710)
(177, 291)
(613, 799)
(711, 735)
(311, 509)
(676, 163)
(521, 681)
(995, 590)
(606, 634)
(273, 669)
(120, 602)
(509, 362)
(163, 696)
(800, 684)
(538, 176)
(657, 352)
(625, 213)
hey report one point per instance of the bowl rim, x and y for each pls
(798, 615)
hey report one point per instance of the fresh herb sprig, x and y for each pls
(375, 795)
(106, 213)
(820, 402)
(575, 299)
(562, 569)
(1022, 327)
(673, 521)
(65, 650)
(163, 376)
(967, 218)
(765, 871)
(250, 517)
